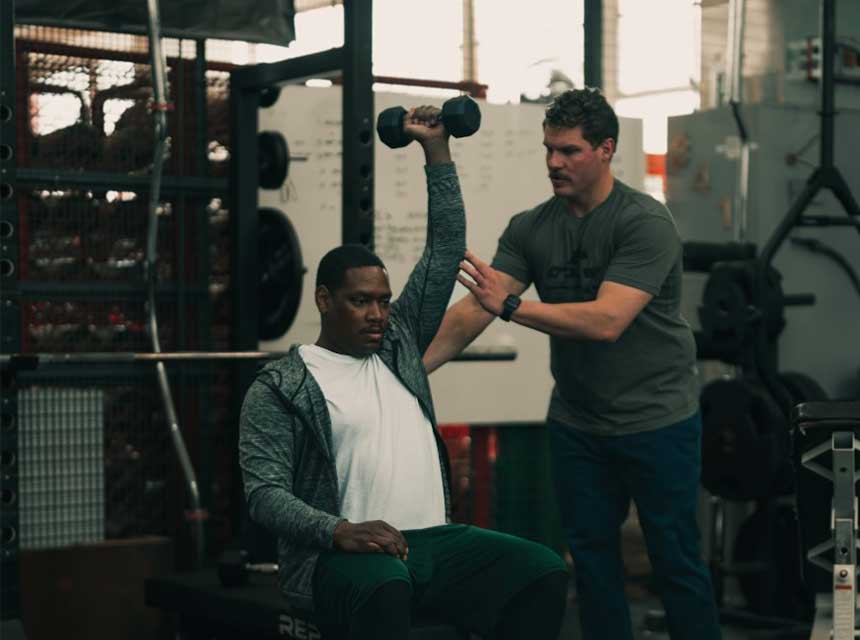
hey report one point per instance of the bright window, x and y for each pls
(658, 66)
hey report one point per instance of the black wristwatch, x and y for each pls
(509, 306)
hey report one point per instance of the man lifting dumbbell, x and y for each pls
(342, 459)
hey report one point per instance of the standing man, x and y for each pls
(606, 261)
(343, 462)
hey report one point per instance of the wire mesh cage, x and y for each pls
(85, 102)
(74, 326)
(96, 459)
(82, 265)
(93, 235)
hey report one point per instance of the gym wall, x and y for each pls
(502, 172)
(818, 340)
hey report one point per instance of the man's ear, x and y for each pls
(607, 149)
(322, 296)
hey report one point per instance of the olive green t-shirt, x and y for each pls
(647, 378)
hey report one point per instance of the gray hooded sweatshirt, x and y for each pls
(285, 440)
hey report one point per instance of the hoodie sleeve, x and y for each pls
(424, 300)
(267, 451)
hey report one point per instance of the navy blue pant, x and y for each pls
(595, 478)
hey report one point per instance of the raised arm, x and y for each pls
(464, 322)
(267, 453)
(425, 297)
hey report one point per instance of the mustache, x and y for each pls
(557, 176)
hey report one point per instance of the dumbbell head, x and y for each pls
(389, 126)
(461, 116)
(231, 568)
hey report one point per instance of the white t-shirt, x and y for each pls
(385, 453)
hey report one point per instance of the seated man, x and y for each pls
(342, 459)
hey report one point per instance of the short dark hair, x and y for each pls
(333, 266)
(585, 108)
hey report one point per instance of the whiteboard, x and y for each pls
(502, 172)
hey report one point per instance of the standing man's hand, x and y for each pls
(424, 124)
(485, 284)
(375, 536)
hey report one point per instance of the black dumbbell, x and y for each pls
(461, 117)
(233, 568)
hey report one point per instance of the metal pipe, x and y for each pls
(300, 6)
(734, 69)
(470, 47)
(735, 49)
(739, 220)
(160, 107)
(593, 43)
(33, 360)
(826, 62)
(122, 357)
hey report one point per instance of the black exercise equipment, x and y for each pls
(816, 246)
(756, 564)
(238, 600)
(741, 298)
(745, 442)
(281, 273)
(801, 387)
(742, 317)
(826, 442)
(255, 610)
(273, 158)
(699, 257)
(269, 95)
(461, 117)
(234, 566)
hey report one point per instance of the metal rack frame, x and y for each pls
(191, 254)
(353, 61)
(10, 601)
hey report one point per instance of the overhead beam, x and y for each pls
(593, 43)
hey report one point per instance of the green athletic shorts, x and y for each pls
(458, 573)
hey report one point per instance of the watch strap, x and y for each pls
(509, 306)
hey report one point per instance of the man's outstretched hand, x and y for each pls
(375, 536)
(485, 283)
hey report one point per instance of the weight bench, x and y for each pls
(826, 442)
(255, 610)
